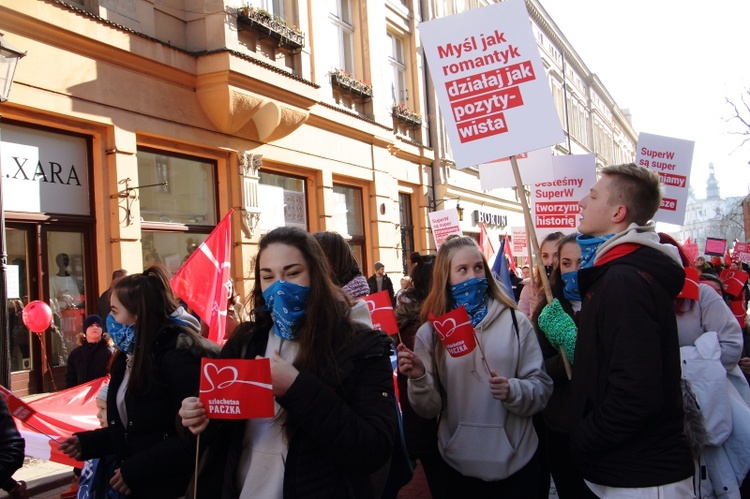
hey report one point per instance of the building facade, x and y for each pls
(714, 216)
(133, 127)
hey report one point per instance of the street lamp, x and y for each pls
(435, 203)
(9, 57)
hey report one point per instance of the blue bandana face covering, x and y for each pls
(287, 302)
(589, 245)
(122, 334)
(570, 282)
(473, 295)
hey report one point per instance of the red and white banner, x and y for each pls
(672, 159)
(518, 234)
(556, 202)
(236, 388)
(381, 312)
(444, 223)
(490, 82)
(47, 420)
(204, 281)
(455, 331)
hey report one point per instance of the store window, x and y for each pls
(67, 292)
(348, 218)
(178, 206)
(283, 201)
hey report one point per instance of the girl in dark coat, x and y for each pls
(333, 387)
(157, 365)
(89, 360)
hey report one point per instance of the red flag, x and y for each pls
(734, 281)
(690, 289)
(236, 388)
(509, 252)
(455, 331)
(485, 243)
(47, 420)
(739, 311)
(204, 280)
(381, 312)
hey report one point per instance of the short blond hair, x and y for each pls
(637, 188)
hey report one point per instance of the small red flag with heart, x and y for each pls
(455, 331)
(381, 312)
(236, 388)
(690, 289)
(734, 281)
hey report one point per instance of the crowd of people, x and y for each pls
(656, 404)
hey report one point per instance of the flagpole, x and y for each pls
(531, 235)
(197, 453)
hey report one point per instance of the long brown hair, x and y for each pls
(325, 329)
(149, 298)
(439, 300)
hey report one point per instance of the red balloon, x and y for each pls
(37, 316)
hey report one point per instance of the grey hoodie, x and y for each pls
(478, 435)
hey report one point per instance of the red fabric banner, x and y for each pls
(204, 281)
(690, 289)
(381, 312)
(455, 331)
(47, 420)
(734, 281)
(236, 388)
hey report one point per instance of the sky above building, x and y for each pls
(672, 64)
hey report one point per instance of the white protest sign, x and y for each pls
(444, 223)
(534, 167)
(556, 202)
(519, 240)
(741, 252)
(672, 159)
(490, 82)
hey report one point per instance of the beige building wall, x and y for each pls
(188, 77)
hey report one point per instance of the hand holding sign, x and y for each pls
(499, 387)
(232, 389)
(409, 363)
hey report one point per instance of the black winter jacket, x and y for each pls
(343, 431)
(626, 378)
(87, 362)
(12, 445)
(156, 461)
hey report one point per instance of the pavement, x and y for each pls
(44, 479)
(47, 479)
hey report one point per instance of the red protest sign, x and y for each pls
(455, 331)
(738, 310)
(715, 247)
(734, 281)
(690, 289)
(381, 312)
(236, 389)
